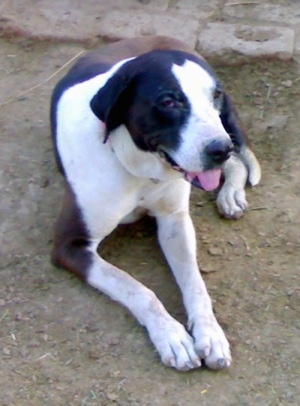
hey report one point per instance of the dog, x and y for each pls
(134, 125)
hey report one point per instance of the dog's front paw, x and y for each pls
(210, 342)
(237, 170)
(174, 344)
(231, 201)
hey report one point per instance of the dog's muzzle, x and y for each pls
(215, 154)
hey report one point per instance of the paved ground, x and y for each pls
(223, 29)
(62, 343)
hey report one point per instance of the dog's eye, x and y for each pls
(168, 102)
(217, 94)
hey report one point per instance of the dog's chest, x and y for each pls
(160, 197)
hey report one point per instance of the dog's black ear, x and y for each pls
(111, 102)
(232, 124)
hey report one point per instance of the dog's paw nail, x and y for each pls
(198, 363)
(222, 362)
(204, 353)
(171, 362)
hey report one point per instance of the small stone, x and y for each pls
(215, 251)
(91, 328)
(44, 183)
(94, 354)
(24, 352)
(112, 396)
(6, 351)
(287, 83)
(18, 316)
(33, 343)
(2, 302)
(114, 341)
(115, 374)
(207, 270)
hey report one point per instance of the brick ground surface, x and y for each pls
(229, 31)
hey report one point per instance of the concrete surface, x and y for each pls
(230, 31)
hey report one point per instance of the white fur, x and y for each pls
(252, 165)
(231, 200)
(116, 182)
(238, 169)
(204, 123)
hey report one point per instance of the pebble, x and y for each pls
(215, 251)
(24, 352)
(287, 83)
(207, 270)
(114, 341)
(112, 396)
(6, 351)
(94, 354)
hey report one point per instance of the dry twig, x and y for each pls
(44, 82)
(242, 3)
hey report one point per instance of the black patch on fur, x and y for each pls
(71, 238)
(145, 96)
(232, 124)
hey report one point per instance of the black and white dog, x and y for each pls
(134, 125)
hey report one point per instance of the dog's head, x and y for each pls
(172, 105)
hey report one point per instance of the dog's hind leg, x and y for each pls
(71, 238)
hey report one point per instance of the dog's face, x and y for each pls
(172, 105)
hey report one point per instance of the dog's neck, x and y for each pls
(137, 162)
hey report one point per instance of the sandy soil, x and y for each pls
(64, 344)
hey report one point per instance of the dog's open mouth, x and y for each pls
(207, 180)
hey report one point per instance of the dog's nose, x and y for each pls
(218, 151)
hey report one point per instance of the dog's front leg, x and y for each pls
(237, 170)
(172, 341)
(231, 200)
(177, 239)
(170, 338)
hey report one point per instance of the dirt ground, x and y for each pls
(62, 343)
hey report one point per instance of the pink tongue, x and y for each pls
(209, 180)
